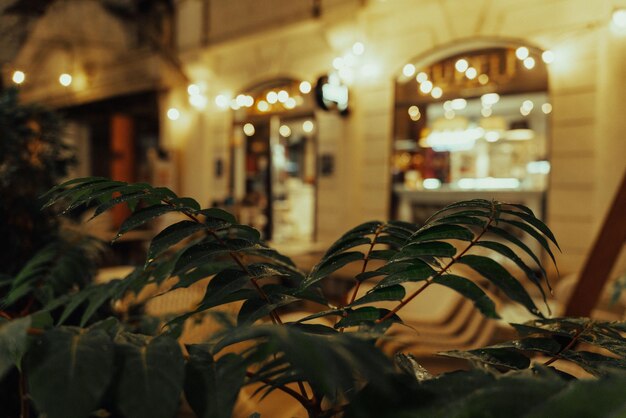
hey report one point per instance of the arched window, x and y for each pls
(471, 124)
(274, 159)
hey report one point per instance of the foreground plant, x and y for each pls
(76, 358)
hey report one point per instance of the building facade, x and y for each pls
(222, 51)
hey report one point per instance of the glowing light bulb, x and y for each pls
(619, 18)
(18, 77)
(522, 53)
(414, 111)
(173, 113)
(248, 129)
(426, 87)
(421, 77)
(546, 108)
(307, 126)
(221, 101)
(486, 112)
(483, 79)
(408, 70)
(461, 65)
(290, 103)
(471, 73)
(263, 106)
(489, 99)
(65, 79)
(282, 96)
(358, 48)
(272, 97)
(547, 57)
(193, 89)
(284, 130)
(437, 92)
(305, 87)
(529, 63)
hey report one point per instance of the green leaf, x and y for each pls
(364, 315)
(513, 239)
(13, 343)
(510, 254)
(212, 387)
(216, 213)
(247, 232)
(533, 233)
(534, 221)
(443, 231)
(345, 243)
(396, 292)
(128, 197)
(428, 249)
(150, 377)
(68, 371)
(499, 357)
(499, 276)
(257, 308)
(172, 235)
(417, 271)
(198, 255)
(332, 264)
(470, 290)
(144, 215)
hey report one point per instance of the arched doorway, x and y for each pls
(273, 163)
(470, 124)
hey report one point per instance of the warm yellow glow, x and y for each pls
(528, 104)
(249, 101)
(18, 77)
(305, 87)
(263, 106)
(461, 65)
(483, 79)
(65, 79)
(471, 73)
(173, 113)
(619, 18)
(522, 53)
(272, 97)
(547, 57)
(421, 77)
(308, 126)
(248, 129)
(414, 111)
(221, 101)
(338, 63)
(426, 87)
(436, 92)
(408, 70)
(486, 112)
(449, 114)
(284, 130)
(234, 105)
(490, 99)
(458, 104)
(358, 48)
(198, 101)
(529, 63)
(546, 108)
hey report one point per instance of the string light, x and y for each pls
(547, 57)
(193, 89)
(529, 63)
(308, 126)
(471, 73)
(248, 129)
(272, 97)
(358, 48)
(173, 113)
(305, 87)
(263, 106)
(282, 96)
(18, 77)
(619, 18)
(522, 53)
(221, 101)
(426, 87)
(421, 77)
(290, 103)
(284, 130)
(546, 108)
(65, 79)
(461, 65)
(408, 70)
(437, 92)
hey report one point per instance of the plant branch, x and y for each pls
(24, 406)
(569, 345)
(430, 280)
(273, 314)
(365, 261)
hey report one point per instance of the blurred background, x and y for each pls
(305, 118)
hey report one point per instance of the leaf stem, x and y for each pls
(365, 261)
(430, 280)
(569, 345)
(24, 405)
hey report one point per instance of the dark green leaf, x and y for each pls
(68, 371)
(443, 231)
(144, 215)
(467, 288)
(531, 219)
(150, 377)
(396, 292)
(499, 357)
(172, 235)
(218, 214)
(331, 265)
(211, 387)
(415, 272)
(13, 342)
(421, 249)
(345, 243)
(533, 233)
(364, 315)
(499, 276)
